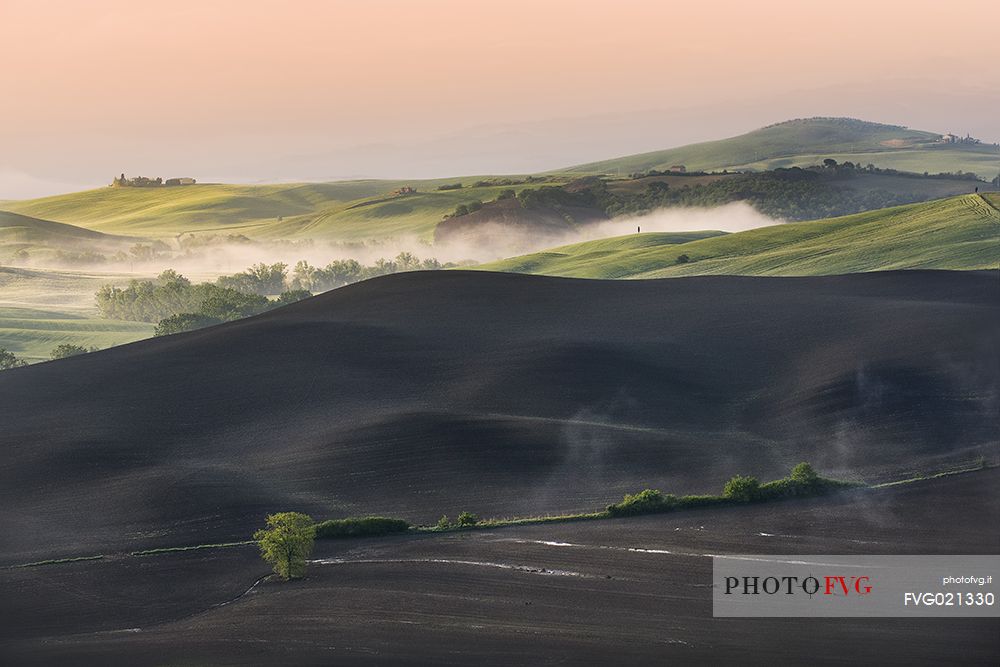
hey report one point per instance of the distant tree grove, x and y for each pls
(176, 304)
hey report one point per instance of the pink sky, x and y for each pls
(260, 90)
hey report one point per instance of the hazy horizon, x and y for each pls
(317, 91)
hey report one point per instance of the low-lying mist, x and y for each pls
(204, 257)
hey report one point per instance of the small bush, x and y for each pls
(742, 489)
(467, 519)
(69, 350)
(444, 522)
(450, 186)
(804, 473)
(360, 527)
(682, 259)
(647, 501)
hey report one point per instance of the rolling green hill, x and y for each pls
(340, 211)
(22, 233)
(32, 334)
(355, 211)
(42, 309)
(809, 141)
(955, 233)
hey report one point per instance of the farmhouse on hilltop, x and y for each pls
(143, 182)
(955, 139)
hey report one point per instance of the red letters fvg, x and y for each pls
(859, 585)
(833, 585)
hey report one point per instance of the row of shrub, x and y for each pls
(802, 481)
(360, 527)
(464, 520)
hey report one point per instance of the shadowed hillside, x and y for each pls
(424, 393)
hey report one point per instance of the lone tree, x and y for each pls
(287, 542)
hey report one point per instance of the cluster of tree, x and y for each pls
(848, 169)
(195, 241)
(585, 193)
(465, 209)
(9, 360)
(802, 481)
(176, 304)
(493, 182)
(346, 271)
(665, 172)
(450, 186)
(82, 257)
(263, 279)
(792, 194)
(69, 350)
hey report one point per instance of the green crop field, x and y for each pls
(31, 334)
(810, 141)
(42, 309)
(955, 233)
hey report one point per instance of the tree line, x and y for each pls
(176, 304)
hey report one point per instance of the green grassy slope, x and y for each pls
(21, 232)
(31, 334)
(347, 210)
(382, 217)
(42, 309)
(18, 228)
(807, 142)
(616, 257)
(956, 233)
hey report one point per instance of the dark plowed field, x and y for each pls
(580, 593)
(429, 393)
